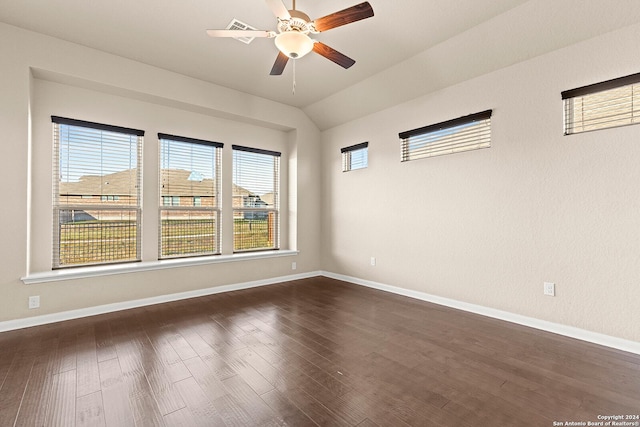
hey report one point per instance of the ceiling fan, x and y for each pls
(294, 27)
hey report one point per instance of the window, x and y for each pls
(355, 157)
(190, 192)
(602, 105)
(170, 200)
(96, 193)
(466, 133)
(256, 182)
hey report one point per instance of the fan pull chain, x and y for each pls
(294, 77)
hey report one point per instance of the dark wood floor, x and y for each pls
(312, 352)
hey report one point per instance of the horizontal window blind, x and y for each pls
(96, 193)
(602, 105)
(256, 182)
(355, 157)
(189, 197)
(466, 133)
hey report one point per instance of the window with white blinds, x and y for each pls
(189, 197)
(602, 105)
(96, 193)
(355, 157)
(256, 183)
(466, 133)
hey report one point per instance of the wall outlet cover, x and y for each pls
(34, 302)
(550, 289)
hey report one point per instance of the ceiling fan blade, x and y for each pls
(241, 33)
(278, 66)
(343, 17)
(333, 55)
(278, 8)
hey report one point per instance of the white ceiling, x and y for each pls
(170, 34)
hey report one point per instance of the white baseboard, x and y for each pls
(556, 328)
(569, 331)
(125, 305)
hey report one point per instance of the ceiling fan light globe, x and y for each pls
(294, 44)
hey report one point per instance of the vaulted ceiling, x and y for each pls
(409, 48)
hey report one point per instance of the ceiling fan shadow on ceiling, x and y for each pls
(294, 27)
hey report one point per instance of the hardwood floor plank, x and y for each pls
(287, 412)
(233, 414)
(180, 345)
(159, 378)
(199, 403)
(62, 402)
(208, 375)
(33, 409)
(258, 411)
(180, 418)
(88, 376)
(89, 410)
(219, 338)
(16, 381)
(140, 395)
(315, 410)
(198, 344)
(367, 423)
(159, 339)
(117, 410)
(307, 394)
(293, 352)
(8, 345)
(248, 373)
(105, 349)
(67, 354)
(308, 352)
(260, 365)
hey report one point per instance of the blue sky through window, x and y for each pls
(86, 151)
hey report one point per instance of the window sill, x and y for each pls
(88, 272)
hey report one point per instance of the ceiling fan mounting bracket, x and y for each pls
(299, 21)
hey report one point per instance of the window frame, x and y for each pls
(215, 208)
(569, 97)
(347, 157)
(273, 212)
(409, 154)
(58, 205)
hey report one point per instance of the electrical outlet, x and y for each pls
(550, 289)
(373, 260)
(294, 265)
(34, 302)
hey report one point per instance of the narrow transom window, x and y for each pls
(466, 133)
(256, 204)
(190, 197)
(602, 105)
(355, 157)
(96, 193)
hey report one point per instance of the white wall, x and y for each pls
(42, 76)
(489, 227)
(485, 227)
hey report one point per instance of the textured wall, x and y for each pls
(42, 76)
(488, 227)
